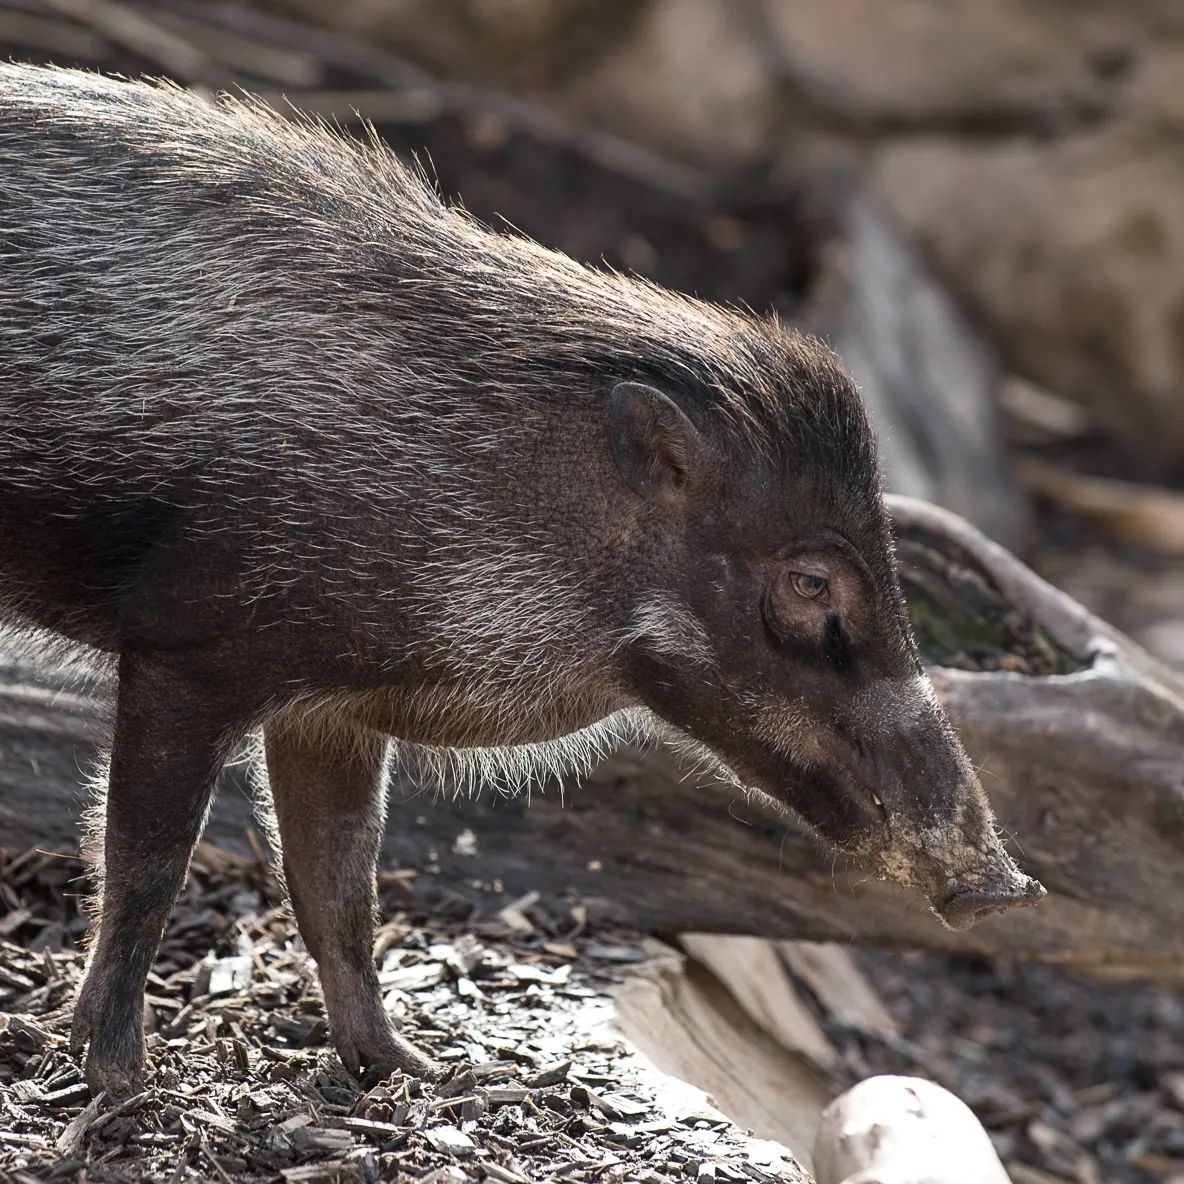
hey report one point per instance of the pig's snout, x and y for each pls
(965, 909)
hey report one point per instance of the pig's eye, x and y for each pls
(811, 587)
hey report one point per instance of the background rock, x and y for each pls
(1033, 150)
(1082, 283)
(971, 65)
(693, 79)
(521, 44)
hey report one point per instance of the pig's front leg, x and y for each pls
(170, 740)
(328, 786)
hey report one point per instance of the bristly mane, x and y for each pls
(502, 307)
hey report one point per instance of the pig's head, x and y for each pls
(768, 624)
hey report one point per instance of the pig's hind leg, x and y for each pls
(328, 785)
(170, 740)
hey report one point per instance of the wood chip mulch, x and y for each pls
(244, 1085)
(1076, 1082)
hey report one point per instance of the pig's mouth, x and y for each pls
(961, 867)
(965, 909)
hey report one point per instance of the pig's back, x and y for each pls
(216, 322)
(177, 348)
(167, 268)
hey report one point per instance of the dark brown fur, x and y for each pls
(305, 451)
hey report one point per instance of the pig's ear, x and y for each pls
(655, 445)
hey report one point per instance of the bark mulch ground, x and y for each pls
(1074, 1080)
(244, 1085)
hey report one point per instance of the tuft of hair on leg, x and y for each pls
(252, 755)
(93, 827)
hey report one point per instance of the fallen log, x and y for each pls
(690, 1025)
(1078, 732)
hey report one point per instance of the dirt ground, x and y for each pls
(1075, 1080)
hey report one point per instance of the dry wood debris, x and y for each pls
(244, 1085)
(1076, 1083)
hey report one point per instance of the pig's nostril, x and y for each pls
(964, 910)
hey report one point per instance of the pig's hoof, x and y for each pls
(377, 1059)
(115, 1080)
(117, 1073)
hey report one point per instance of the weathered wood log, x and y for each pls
(1080, 735)
(903, 1130)
(751, 970)
(691, 1026)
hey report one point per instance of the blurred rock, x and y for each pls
(903, 1130)
(521, 44)
(963, 64)
(1072, 254)
(1032, 150)
(693, 79)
